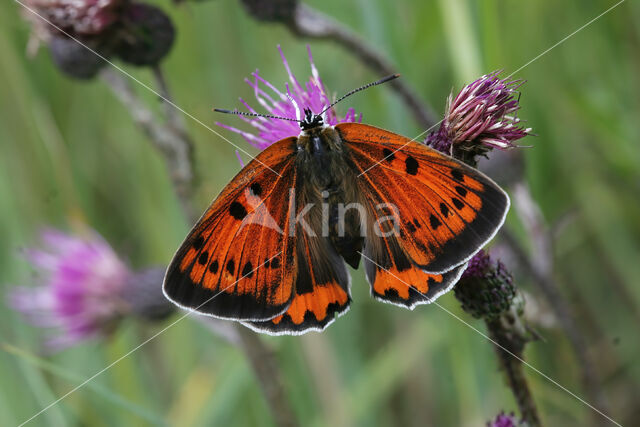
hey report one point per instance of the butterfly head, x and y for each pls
(310, 120)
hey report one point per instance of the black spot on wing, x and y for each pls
(213, 267)
(461, 191)
(198, 243)
(256, 189)
(231, 266)
(388, 155)
(237, 210)
(203, 258)
(411, 165)
(247, 270)
(457, 203)
(275, 263)
(444, 210)
(457, 175)
(434, 222)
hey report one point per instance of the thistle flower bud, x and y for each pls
(147, 35)
(271, 10)
(143, 295)
(74, 59)
(505, 420)
(480, 118)
(486, 288)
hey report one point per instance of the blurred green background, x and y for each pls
(70, 153)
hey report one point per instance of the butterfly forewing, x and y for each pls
(447, 210)
(239, 262)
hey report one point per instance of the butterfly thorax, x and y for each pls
(320, 157)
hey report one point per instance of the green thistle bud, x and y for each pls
(486, 289)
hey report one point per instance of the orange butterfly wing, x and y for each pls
(447, 210)
(321, 289)
(238, 262)
(406, 285)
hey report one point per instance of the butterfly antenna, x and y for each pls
(242, 113)
(376, 83)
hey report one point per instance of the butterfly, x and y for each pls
(272, 249)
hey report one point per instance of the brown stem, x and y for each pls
(266, 369)
(539, 267)
(513, 369)
(174, 118)
(175, 147)
(310, 23)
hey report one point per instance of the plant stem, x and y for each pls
(266, 369)
(175, 147)
(311, 23)
(539, 267)
(513, 369)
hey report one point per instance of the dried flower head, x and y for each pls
(76, 30)
(75, 17)
(289, 103)
(480, 118)
(85, 289)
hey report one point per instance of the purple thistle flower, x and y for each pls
(481, 117)
(81, 291)
(289, 104)
(504, 420)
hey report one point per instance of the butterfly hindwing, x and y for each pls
(403, 284)
(238, 262)
(446, 210)
(322, 282)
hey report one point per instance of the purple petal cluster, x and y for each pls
(76, 17)
(504, 420)
(478, 265)
(481, 117)
(79, 295)
(288, 103)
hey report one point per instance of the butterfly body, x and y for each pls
(272, 249)
(327, 182)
